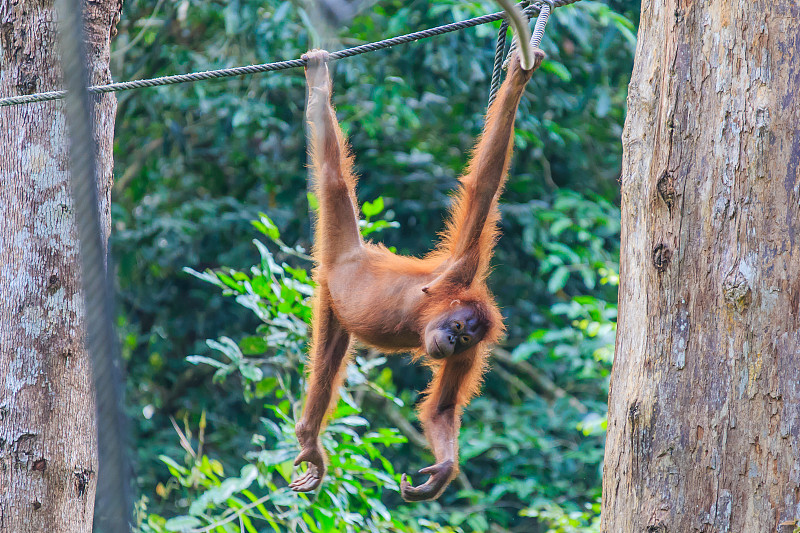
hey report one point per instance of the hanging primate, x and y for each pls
(438, 307)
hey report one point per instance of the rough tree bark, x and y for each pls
(704, 410)
(48, 455)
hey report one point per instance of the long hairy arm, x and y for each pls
(332, 164)
(454, 384)
(474, 214)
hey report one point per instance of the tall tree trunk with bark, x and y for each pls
(48, 455)
(704, 410)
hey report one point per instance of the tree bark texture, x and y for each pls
(48, 455)
(704, 409)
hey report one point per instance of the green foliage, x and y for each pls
(257, 499)
(369, 210)
(586, 521)
(199, 164)
(360, 472)
(266, 363)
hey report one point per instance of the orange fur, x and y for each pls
(394, 303)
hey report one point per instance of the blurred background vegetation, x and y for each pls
(211, 224)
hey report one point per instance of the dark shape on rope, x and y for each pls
(112, 504)
(280, 65)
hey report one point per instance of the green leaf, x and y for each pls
(230, 282)
(370, 209)
(251, 372)
(266, 226)
(262, 286)
(554, 67)
(174, 468)
(202, 359)
(226, 346)
(182, 523)
(253, 345)
(313, 203)
(557, 227)
(557, 280)
(275, 457)
(353, 421)
(208, 276)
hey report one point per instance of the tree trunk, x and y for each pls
(48, 455)
(704, 410)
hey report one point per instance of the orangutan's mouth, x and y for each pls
(438, 351)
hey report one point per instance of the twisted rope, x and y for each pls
(543, 10)
(520, 25)
(269, 67)
(498, 61)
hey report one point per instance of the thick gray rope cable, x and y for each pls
(269, 67)
(499, 48)
(112, 503)
(543, 11)
(519, 23)
(546, 7)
